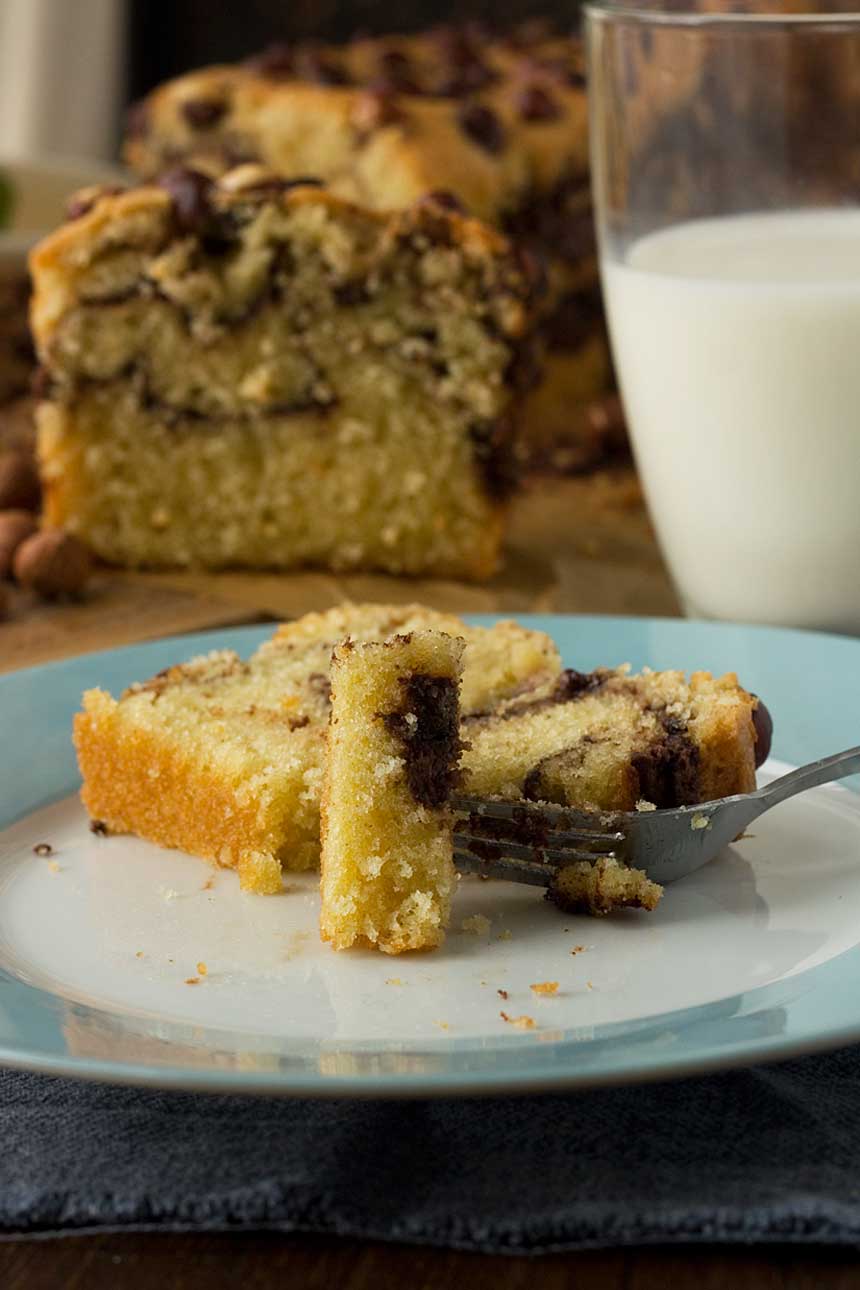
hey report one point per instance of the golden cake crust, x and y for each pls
(136, 782)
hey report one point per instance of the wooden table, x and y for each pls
(575, 546)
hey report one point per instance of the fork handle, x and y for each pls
(817, 772)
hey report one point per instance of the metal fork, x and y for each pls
(530, 842)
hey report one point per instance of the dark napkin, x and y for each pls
(771, 1154)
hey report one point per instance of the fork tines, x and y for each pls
(526, 842)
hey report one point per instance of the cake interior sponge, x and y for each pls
(387, 867)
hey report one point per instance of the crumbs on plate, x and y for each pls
(477, 925)
(523, 1022)
(544, 987)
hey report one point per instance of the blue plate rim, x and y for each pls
(538, 1076)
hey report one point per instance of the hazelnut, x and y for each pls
(19, 482)
(52, 563)
(5, 602)
(15, 528)
(763, 724)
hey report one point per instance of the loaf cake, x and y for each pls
(497, 122)
(253, 372)
(387, 865)
(224, 758)
(614, 741)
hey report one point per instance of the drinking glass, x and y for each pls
(726, 172)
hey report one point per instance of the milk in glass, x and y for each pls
(737, 342)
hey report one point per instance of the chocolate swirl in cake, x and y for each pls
(427, 729)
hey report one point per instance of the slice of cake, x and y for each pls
(256, 373)
(224, 758)
(499, 121)
(501, 662)
(613, 741)
(387, 867)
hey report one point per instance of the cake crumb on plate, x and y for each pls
(523, 1022)
(544, 987)
(476, 925)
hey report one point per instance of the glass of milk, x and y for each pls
(726, 174)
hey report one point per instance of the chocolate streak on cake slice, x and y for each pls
(427, 728)
(667, 769)
(569, 685)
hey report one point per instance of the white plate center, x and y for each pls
(119, 924)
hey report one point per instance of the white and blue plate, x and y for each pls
(123, 962)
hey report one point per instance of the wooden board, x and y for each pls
(575, 546)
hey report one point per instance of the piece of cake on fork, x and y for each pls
(387, 867)
(251, 372)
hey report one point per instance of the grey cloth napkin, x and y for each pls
(770, 1154)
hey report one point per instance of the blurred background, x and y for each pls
(68, 68)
